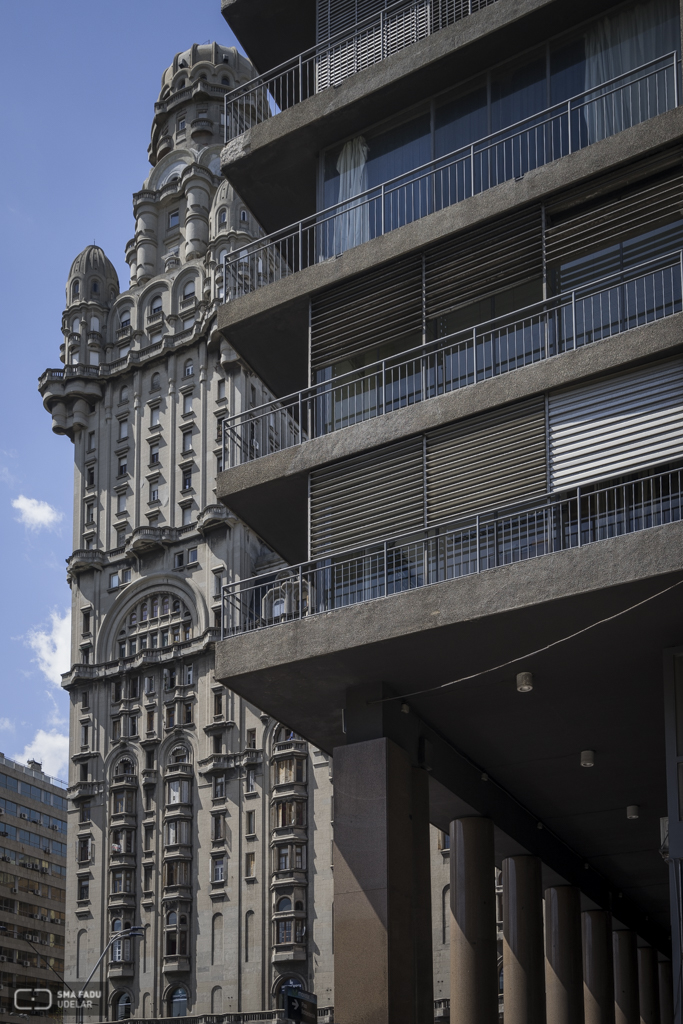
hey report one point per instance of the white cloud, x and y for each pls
(36, 514)
(52, 648)
(6, 724)
(51, 749)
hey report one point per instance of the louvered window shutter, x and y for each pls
(355, 320)
(487, 461)
(597, 226)
(367, 498)
(479, 263)
(617, 425)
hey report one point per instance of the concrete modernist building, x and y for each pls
(192, 814)
(467, 305)
(33, 859)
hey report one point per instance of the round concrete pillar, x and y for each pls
(474, 970)
(626, 1008)
(666, 992)
(196, 220)
(648, 985)
(563, 956)
(523, 962)
(598, 975)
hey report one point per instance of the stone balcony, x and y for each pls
(176, 964)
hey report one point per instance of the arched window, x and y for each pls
(176, 607)
(294, 984)
(75, 325)
(225, 81)
(299, 905)
(122, 1006)
(123, 394)
(284, 904)
(124, 767)
(95, 287)
(120, 950)
(144, 612)
(133, 618)
(243, 214)
(222, 218)
(75, 289)
(125, 318)
(164, 606)
(188, 370)
(177, 1002)
(156, 382)
(188, 290)
(155, 304)
(95, 324)
(283, 734)
(179, 755)
(155, 607)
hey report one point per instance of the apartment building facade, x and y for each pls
(33, 862)
(466, 305)
(191, 813)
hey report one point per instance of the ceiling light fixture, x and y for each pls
(632, 811)
(587, 758)
(524, 681)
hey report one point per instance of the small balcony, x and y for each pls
(343, 54)
(176, 964)
(469, 545)
(120, 969)
(173, 771)
(538, 140)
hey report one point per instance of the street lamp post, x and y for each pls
(135, 932)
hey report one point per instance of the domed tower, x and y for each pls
(91, 290)
(71, 394)
(172, 210)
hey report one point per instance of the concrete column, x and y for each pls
(666, 992)
(523, 981)
(474, 959)
(598, 974)
(648, 985)
(563, 956)
(626, 1009)
(382, 910)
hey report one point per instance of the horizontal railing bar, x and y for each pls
(423, 170)
(551, 304)
(492, 514)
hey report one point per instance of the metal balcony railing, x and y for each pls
(597, 310)
(564, 128)
(467, 545)
(344, 54)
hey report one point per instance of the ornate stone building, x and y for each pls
(191, 812)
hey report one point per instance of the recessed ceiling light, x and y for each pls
(587, 758)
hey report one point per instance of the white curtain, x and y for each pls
(352, 225)
(617, 45)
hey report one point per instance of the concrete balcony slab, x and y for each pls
(269, 326)
(270, 494)
(273, 166)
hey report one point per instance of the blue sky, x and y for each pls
(81, 84)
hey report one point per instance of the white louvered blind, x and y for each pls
(616, 425)
(487, 461)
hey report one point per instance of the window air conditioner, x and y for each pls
(44, 870)
(3, 959)
(24, 816)
(15, 889)
(36, 938)
(55, 828)
(25, 963)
